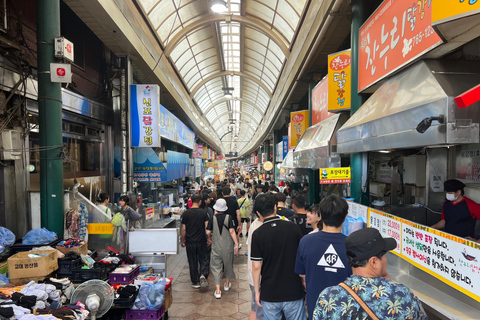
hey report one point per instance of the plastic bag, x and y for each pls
(150, 296)
(7, 238)
(352, 224)
(39, 236)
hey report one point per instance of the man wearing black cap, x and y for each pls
(370, 282)
(459, 213)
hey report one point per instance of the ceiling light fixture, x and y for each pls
(218, 6)
(228, 92)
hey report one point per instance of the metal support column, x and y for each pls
(313, 174)
(50, 119)
(356, 159)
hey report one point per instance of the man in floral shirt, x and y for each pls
(366, 250)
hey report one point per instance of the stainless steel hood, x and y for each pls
(318, 146)
(288, 170)
(388, 119)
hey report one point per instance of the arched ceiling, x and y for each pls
(244, 48)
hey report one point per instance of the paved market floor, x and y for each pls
(193, 304)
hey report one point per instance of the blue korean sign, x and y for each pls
(285, 146)
(147, 167)
(144, 112)
(173, 129)
(178, 165)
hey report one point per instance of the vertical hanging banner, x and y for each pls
(199, 151)
(397, 33)
(144, 113)
(320, 102)
(339, 81)
(285, 146)
(298, 125)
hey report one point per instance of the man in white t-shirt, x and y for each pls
(256, 311)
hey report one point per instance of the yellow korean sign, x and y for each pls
(335, 175)
(299, 123)
(205, 153)
(213, 164)
(447, 10)
(339, 81)
(100, 228)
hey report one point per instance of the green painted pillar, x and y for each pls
(356, 162)
(50, 119)
(313, 174)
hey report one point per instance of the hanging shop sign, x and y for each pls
(298, 124)
(320, 102)
(199, 150)
(198, 168)
(264, 157)
(279, 152)
(213, 165)
(149, 213)
(147, 167)
(173, 129)
(178, 165)
(448, 10)
(339, 81)
(144, 107)
(397, 33)
(205, 153)
(448, 258)
(335, 175)
(268, 166)
(184, 135)
(211, 170)
(285, 146)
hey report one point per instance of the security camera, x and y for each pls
(427, 122)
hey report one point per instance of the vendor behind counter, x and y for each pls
(459, 213)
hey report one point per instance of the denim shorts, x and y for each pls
(255, 308)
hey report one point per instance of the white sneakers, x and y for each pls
(217, 295)
(227, 288)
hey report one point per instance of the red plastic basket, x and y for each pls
(145, 314)
(124, 278)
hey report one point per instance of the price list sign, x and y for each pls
(389, 226)
(451, 259)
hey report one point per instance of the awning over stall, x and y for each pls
(318, 146)
(404, 111)
(288, 170)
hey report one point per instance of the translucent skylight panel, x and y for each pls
(211, 114)
(261, 10)
(276, 50)
(298, 5)
(283, 27)
(148, 4)
(287, 12)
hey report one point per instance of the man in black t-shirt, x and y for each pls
(300, 217)
(274, 249)
(233, 208)
(194, 222)
(281, 208)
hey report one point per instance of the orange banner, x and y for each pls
(340, 81)
(395, 34)
(320, 102)
(298, 124)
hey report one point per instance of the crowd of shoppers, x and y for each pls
(300, 265)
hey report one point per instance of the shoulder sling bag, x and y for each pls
(359, 300)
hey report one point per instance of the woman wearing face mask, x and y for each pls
(459, 213)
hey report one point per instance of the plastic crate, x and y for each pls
(65, 267)
(82, 275)
(19, 247)
(126, 303)
(145, 314)
(124, 278)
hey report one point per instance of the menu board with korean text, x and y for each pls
(451, 259)
(395, 34)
